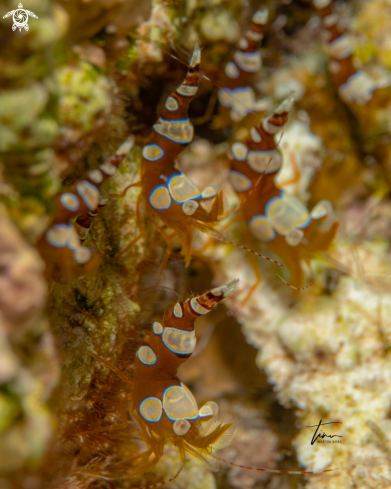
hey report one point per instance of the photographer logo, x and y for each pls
(20, 17)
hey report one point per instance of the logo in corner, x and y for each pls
(323, 435)
(20, 17)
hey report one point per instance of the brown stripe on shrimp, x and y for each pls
(61, 241)
(279, 220)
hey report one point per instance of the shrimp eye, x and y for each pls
(181, 427)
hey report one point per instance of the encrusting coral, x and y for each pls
(328, 356)
(29, 368)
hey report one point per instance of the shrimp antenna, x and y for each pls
(120, 374)
(245, 248)
(273, 471)
(293, 287)
(162, 483)
(159, 46)
(224, 240)
(163, 287)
